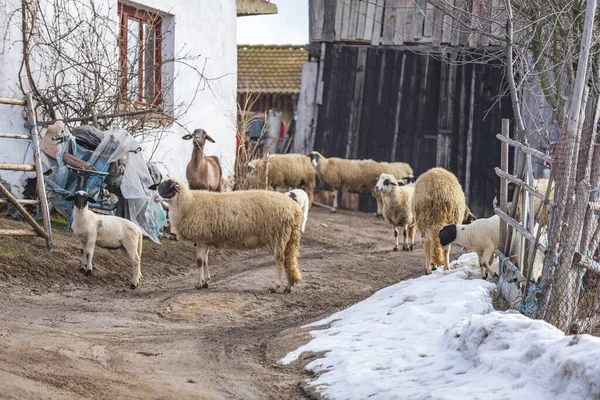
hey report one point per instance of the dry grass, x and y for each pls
(245, 176)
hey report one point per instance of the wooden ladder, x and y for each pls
(34, 136)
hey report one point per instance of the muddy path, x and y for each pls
(63, 335)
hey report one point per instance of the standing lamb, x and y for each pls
(203, 172)
(107, 231)
(397, 210)
(247, 219)
(401, 170)
(291, 170)
(300, 197)
(481, 236)
(438, 201)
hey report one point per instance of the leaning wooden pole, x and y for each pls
(12, 200)
(41, 187)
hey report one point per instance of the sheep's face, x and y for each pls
(80, 199)
(386, 183)
(167, 189)
(314, 158)
(199, 137)
(448, 234)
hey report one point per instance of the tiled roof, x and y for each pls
(270, 69)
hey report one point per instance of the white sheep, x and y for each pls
(397, 208)
(481, 236)
(301, 197)
(246, 219)
(107, 231)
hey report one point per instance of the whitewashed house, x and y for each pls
(201, 33)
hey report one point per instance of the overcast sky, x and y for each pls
(288, 26)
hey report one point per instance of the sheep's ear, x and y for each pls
(177, 187)
(153, 187)
(209, 138)
(187, 137)
(400, 183)
(70, 198)
(90, 199)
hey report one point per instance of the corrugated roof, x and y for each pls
(270, 69)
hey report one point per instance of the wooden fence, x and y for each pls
(514, 280)
(397, 22)
(392, 104)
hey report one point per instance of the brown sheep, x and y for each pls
(438, 201)
(291, 171)
(246, 219)
(340, 173)
(203, 172)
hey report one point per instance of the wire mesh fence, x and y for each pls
(549, 268)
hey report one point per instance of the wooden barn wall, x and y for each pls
(386, 104)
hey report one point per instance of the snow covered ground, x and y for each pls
(438, 337)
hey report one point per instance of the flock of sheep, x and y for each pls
(203, 213)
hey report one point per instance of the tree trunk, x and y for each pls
(560, 291)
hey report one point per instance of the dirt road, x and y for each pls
(64, 335)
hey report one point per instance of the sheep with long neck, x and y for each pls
(203, 172)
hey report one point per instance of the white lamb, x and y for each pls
(481, 236)
(107, 231)
(301, 197)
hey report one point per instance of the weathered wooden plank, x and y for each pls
(15, 203)
(18, 232)
(303, 140)
(462, 26)
(22, 201)
(400, 12)
(317, 16)
(353, 19)
(17, 167)
(377, 23)
(360, 24)
(525, 149)
(14, 136)
(418, 19)
(347, 6)
(486, 23)
(498, 27)
(355, 114)
(508, 177)
(514, 224)
(447, 29)
(429, 21)
(12, 102)
(369, 20)
(408, 16)
(475, 25)
(389, 23)
(329, 31)
(438, 28)
(457, 22)
(398, 109)
(470, 134)
(504, 167)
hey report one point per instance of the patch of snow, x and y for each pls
(438, 337)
